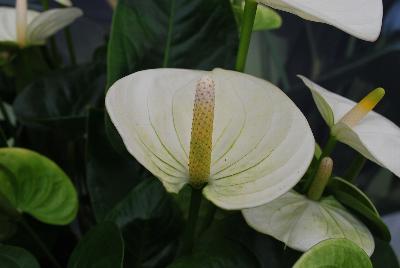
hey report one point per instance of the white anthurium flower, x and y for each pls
(27, 27)
(371, 134)
(301, 223)
(66, 3)
(238, 137)
(360, 18)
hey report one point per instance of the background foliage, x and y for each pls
(59, 112)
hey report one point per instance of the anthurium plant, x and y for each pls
(171, 146)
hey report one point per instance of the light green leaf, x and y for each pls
(302, 223)
(15, 257)
(101, 247)
(334, 253)
(37, 186)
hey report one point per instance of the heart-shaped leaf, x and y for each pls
(151, 225)
(61, 99)
(101, 247)
(106, 169)
(197, 34)
(14, 257)
(338, 253)
(37, 186)
(353, 198)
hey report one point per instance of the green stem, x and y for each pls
(54, 51)
(249, 15)
(40, 243)
(70, 45)
(326, 151)
(169, 35)
(209, 218)
(316, 63)
(355, 168)
(190, 231)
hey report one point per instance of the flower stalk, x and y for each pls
(322, 177)
(190, 232)
(249, 15)
(355, 168)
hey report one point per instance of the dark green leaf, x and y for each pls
(101, 247)
(151, 225)
(353, 198)
(335, 253)
(197, 34)
(219, 247)
(14, 257)
(37, 186)
(384, 255)
(338, 185)
(62, 98)
(110, 176)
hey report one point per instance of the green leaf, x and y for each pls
(197, 34)
(353, 198)
(62, 98)
(110, 176)
(101, 247)
(37, 186)
(219, 247)
(384, 255)
(151, 224)
(15, 257)
(334, 253)
(266, 18)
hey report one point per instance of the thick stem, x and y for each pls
(40, 243)
(190, 231)
(249, 15)
(209, 218)
(355, 168)
(326, 151)
(322, 177)
(70, 45)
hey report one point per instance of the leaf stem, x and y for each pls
(355, 168)
(326, 151)
(190, 231)
(40, 243)
(249, 15)
(209, 218)
(169, 35)
(70, 46)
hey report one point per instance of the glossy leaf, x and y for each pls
(219, 247)
(337, 184)
(384, 256)
(301, 223)
(353, 198)
(110, 176)
(338, 253)
(101, 247)
(151, 224)
(38, 186)
(62, 98)
(199, 34)
(15, 257)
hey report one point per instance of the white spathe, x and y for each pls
(40, 25)
(262, 144)
(67, 3)
(375, 137)
(301, 223)
(360, 18)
